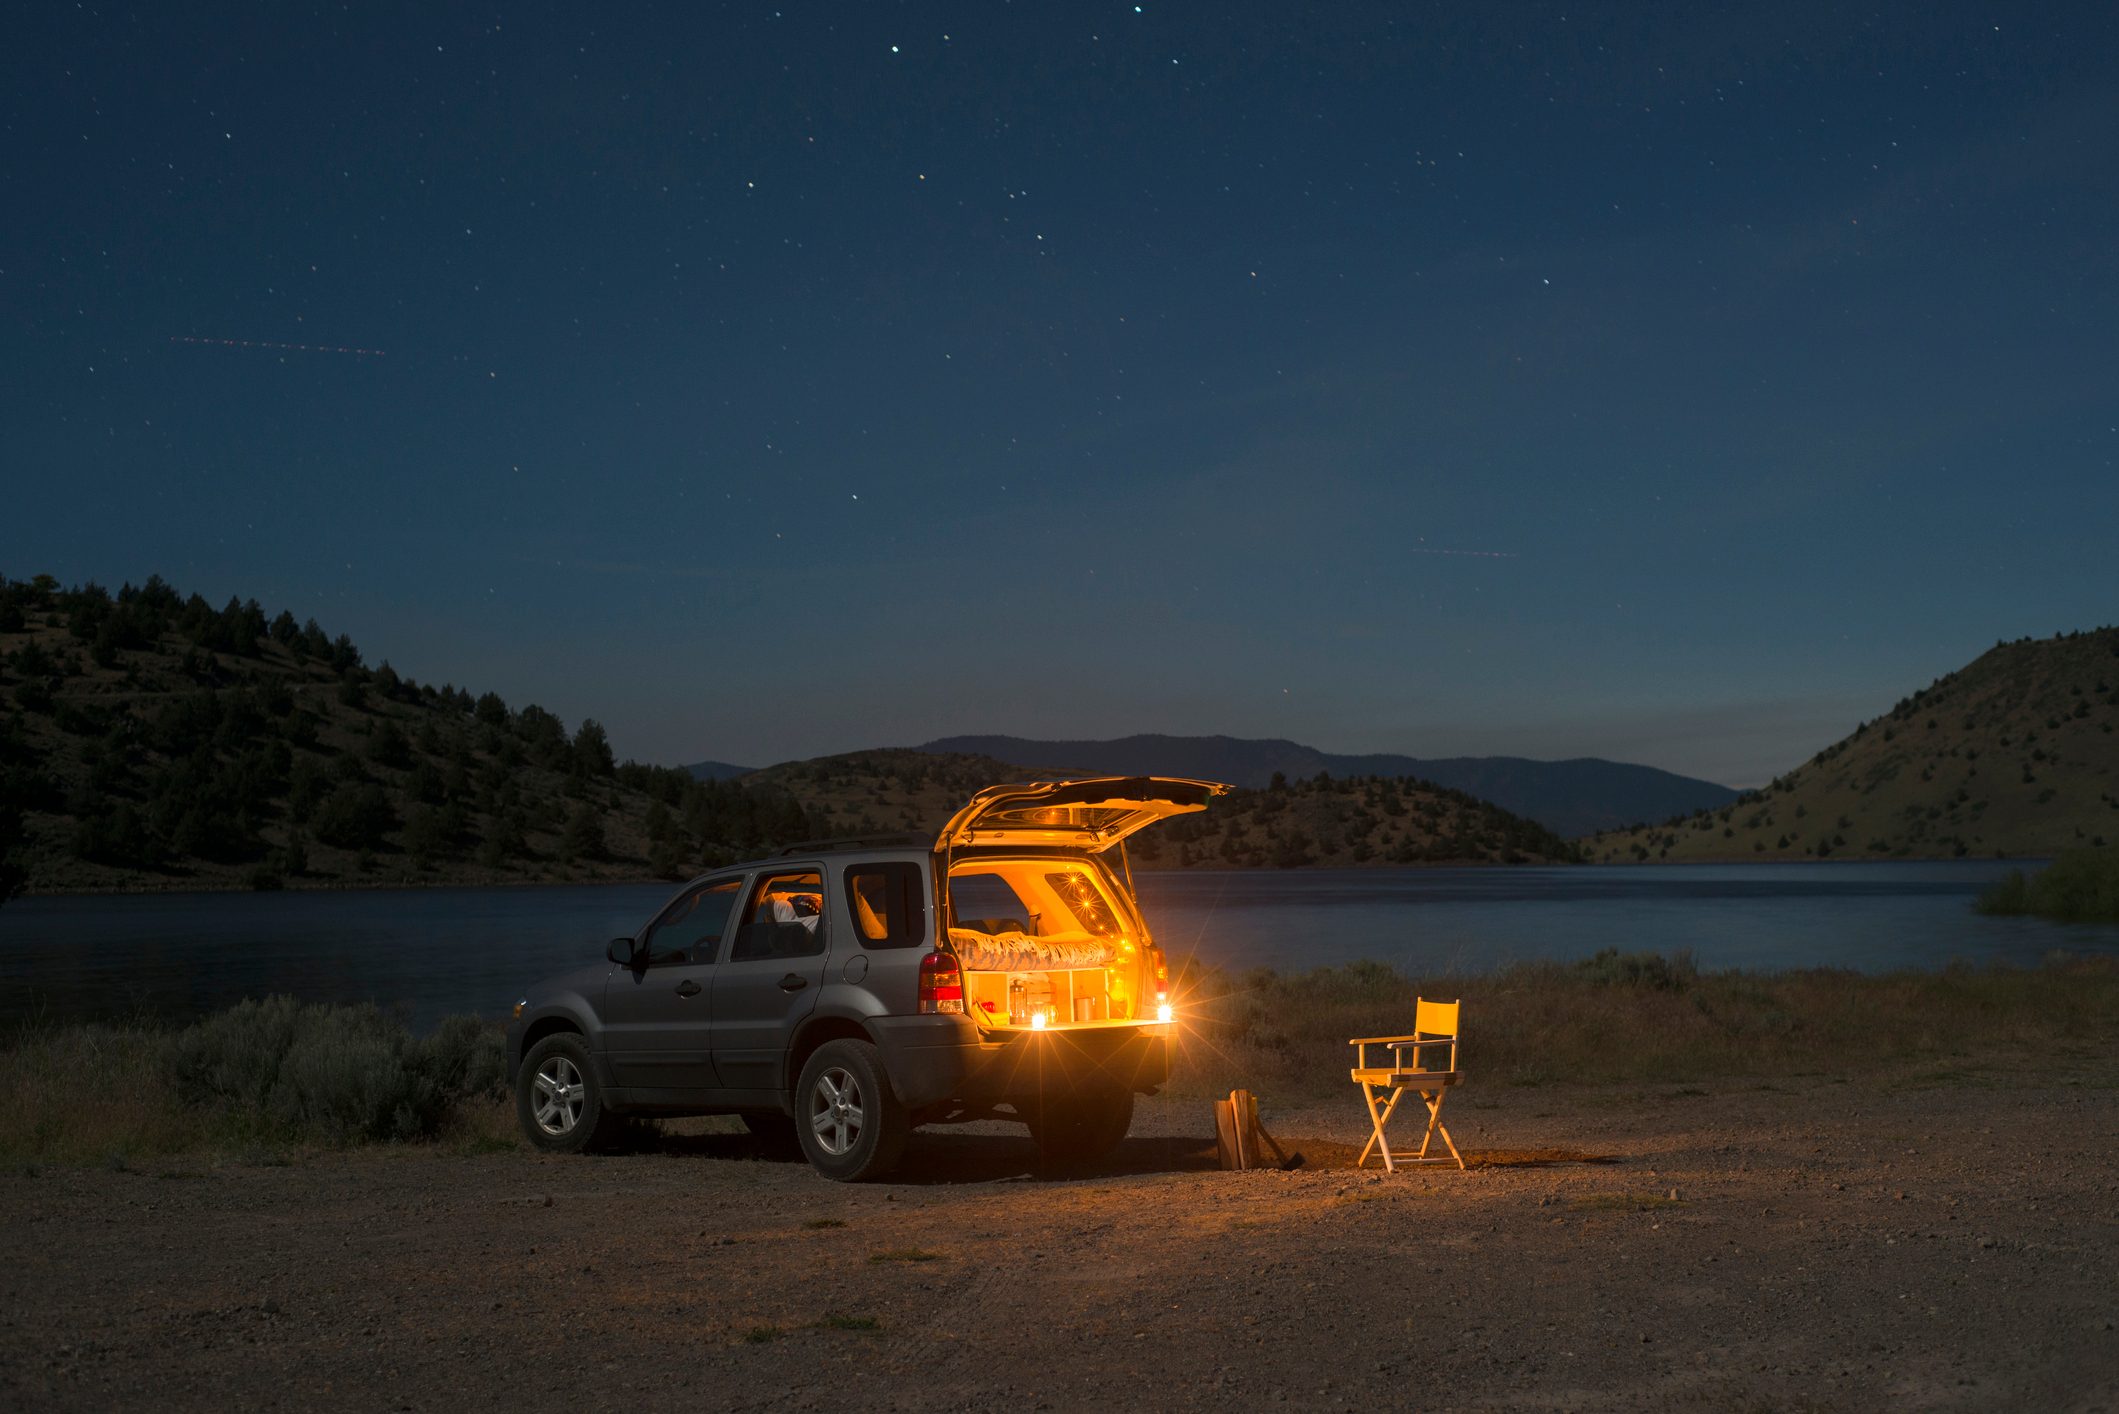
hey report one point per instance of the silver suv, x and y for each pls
(836, 996)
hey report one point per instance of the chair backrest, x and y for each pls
(1434, 1018)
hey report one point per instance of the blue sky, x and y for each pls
(1679, 384)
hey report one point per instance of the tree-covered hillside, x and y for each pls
(150, 740)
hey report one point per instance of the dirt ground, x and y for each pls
(1932, 1241)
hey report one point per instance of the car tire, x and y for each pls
(1079, 1130)
(775, 1133)
(559, 1100)
(849, 1121)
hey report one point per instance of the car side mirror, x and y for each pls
(621, 951)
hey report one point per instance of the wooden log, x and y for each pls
(1226, 1149)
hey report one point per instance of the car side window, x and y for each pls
(690, 929)
(784, 918)
(888, 903)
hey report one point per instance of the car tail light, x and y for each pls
(1159, 966)
(941, 984)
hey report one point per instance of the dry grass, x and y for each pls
(1642, 1020)
(90, 1094)
(250, 1083)
(119, 1094)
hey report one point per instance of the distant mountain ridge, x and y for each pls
(1570, 798)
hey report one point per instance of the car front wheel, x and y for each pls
(558, 1100)
(850, 1122)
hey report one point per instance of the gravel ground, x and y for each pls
(1911, 1241)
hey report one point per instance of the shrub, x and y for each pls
(119, 836)
(339, 1074)
(434, 832)
(1612, 968)
(2079, 886)
(469, 1057)
(584, 837)
(2011, 896)
(389, 746)
(354, 817)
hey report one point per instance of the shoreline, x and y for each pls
(1481, 865)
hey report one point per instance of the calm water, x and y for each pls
(437, 951)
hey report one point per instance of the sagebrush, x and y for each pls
(262, 1073)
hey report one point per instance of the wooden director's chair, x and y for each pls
(1434, 1028)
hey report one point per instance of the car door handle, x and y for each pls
(792, 983)
(688, 988)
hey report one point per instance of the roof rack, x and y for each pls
(904, 840)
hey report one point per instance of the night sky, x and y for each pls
(1678, 383)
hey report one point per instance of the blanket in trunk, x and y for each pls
(1019, 952)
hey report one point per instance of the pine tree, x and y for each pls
(592, 750)
(583, 839)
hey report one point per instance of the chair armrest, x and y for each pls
(1380, 1040)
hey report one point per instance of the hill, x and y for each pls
(148, 740)
(2016, 754)
(886, 792)
(1322, 821)
(715, 770)
(1572, 797)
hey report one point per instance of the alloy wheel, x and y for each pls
(835, 1113)
(560, 1096)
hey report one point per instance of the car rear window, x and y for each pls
(1085, 901)
(986, 903)
(888, 903)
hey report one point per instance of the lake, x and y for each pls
(438, 951)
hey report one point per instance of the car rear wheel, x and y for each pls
(849, 1120)
(558, 1100)
(1080, 1129)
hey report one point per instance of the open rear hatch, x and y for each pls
(1046, 933)
(1090, 815)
